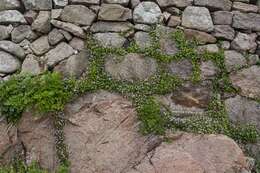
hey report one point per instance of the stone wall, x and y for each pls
(38, 35)
(50, 35)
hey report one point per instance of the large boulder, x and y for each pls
(37, 4)
(23, 32)
(234, 60)
(114, 12)
(110, 39)
(147, 13)
(247, 81)
(85, 2)
(60, 3)
(72, 28)
(78, 14)
(31, 65)
(42, 23)
(41, 45)
(200, 37)
(121, 2)
(244, 42)
(103, 134)
(243, 111)
(5, 32)
(195, 153)
(101, 26)
(224, 5)
(182, 69)
(12, 48)
(246, 21)
(11, 17)
(197, 18)
(10, 5)
(36, 134)
(177, 3)
(59, 53)
(132, 67)
(8, 141)
(224, 32)
(74, 66)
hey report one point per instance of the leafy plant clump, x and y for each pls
(20, 167)
(46, 92)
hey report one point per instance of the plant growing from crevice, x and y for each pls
(49, 93)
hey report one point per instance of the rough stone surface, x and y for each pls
(224, 32)
(247, 21)
(12, 48)
(78, 14)
(177, 3)
(121, 2)
(197, 18)
(248, 81)
(168, 45)
(224, 5)
(222, 18)
(34, 132)
(253, 59)
(243, 111)
(110, 39)
(8, 140)
(5, 32)
(244, 42)
(30, 16)
(147, 13)
(8, 63)
(10, 5)
(77, 43)
(234, 60)
(182, 68)
(142, 39)
(103, 135)
(85, 2)
(11, 16)
(208, 70)
(114, 12)
(59, 53)
(31, 65)
(221, 154)
(60, 3)
(23, 32)
(193, 95)
(55, 36)
(74, 29)
(132, 67)
(244, 7)
(37, 4)
(200, 37)
(41, 45)
(74, 66)
(212, 48)
(111, 27)
(42, 22)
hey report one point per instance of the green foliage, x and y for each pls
(20, 167)
(150, 114)
(222, 82)
(216, 121)
(47, 93)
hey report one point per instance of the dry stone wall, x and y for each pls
(42, 34)
(50, 35)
